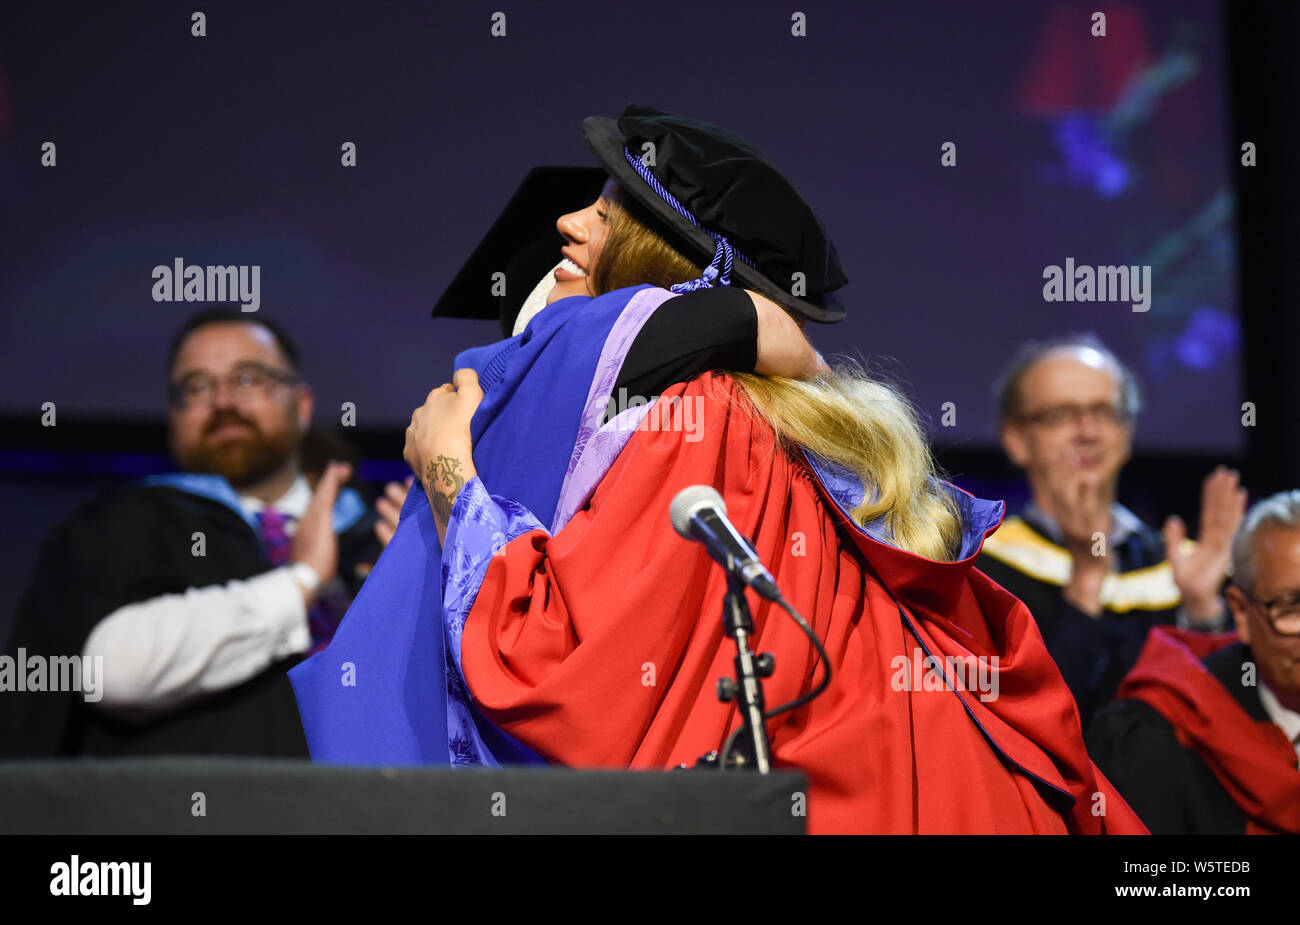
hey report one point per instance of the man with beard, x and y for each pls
(195, 592)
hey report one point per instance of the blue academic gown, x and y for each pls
(386, 690)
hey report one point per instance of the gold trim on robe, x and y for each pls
(1024, 549)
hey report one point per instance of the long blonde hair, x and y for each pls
(859, 422)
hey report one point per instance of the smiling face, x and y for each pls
(585, 232)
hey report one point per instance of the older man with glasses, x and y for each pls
(1094, 576)
(197, 591)
(1204, 737)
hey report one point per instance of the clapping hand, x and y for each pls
(1199, 572)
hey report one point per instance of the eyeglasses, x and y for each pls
(1282, 613)
(1101, 412)
(246, 382)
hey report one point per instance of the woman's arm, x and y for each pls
(439, 448)
(724, 328)
(782, 348)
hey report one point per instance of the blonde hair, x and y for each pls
(861, 423)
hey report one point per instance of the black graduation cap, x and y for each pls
(523, 243)
(730, 189)
(715, 195)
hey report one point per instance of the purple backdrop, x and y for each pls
(225, 150)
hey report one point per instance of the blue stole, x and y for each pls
(348, 508)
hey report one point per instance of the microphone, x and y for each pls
(699, 513)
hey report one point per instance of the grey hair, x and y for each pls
(1007, 385)
(1279, 510)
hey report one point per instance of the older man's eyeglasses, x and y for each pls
(248, 382)
(1102, 412)
(1282, 613)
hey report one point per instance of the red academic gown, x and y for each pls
(601, 646)
(1252, 759)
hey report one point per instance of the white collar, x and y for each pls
(1288, 720)
(1124, 523)
(535, 302)
(293, 502)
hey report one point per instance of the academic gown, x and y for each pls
(137, 543)
(1189, 744)
(1093, 653)
(599, 644)
(390, 688)
(382, 691)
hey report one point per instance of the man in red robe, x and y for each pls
(1204, 737)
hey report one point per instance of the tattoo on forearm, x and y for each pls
(442, 483)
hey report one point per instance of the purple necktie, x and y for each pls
(322, 617)
(271, 531)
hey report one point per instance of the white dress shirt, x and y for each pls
(163, 652)
(1286, 719)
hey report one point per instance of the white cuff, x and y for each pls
(284, 596)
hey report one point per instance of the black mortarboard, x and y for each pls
(731, 190)
(522, 243)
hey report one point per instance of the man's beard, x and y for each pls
(241, 461)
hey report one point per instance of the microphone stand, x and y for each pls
(752, 751)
